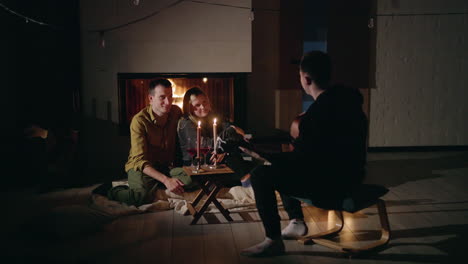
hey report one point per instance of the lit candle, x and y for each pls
(215, 135)
(198, 139)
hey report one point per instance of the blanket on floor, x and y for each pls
(236, 199)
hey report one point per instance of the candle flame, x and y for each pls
(199, 123)
(214, 122)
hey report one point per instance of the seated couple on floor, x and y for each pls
(160, 138)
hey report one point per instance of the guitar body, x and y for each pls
(294, 129)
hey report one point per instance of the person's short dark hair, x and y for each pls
(164, 82)
(317, 65)
(186, 102)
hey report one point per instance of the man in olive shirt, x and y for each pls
(153, 134)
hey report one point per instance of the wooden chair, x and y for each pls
(362, 197)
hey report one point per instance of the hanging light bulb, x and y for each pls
(102, 40)
(252, 15)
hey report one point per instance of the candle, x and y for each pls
(215, 135)
(198, 139)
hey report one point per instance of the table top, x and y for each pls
(222, 169)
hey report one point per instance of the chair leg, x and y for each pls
(384, 237)
(385, 233)
(339, 223)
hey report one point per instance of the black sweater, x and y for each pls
(331, 147)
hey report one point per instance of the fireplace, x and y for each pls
(226, 91)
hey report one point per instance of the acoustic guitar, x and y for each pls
(294, 129)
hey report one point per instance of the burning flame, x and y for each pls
(177, 97)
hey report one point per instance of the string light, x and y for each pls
(234, 6)
(101, 32)
(251, 15)
(217, 4)
(137, 20)
(423, 14)
(27, 19)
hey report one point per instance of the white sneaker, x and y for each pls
(295, 229)
(267, 248)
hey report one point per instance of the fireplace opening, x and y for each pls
(227, 93)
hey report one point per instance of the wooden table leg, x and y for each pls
(210, 198)
(218, 205)
(223, 211)
(205, 190)
(191, 205)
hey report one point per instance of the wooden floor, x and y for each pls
(427, 206)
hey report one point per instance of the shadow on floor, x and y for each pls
(451, 249)
(391, 173)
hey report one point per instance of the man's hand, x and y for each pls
(239, 130)
(218, 157)
(35, 131)
(174, 185)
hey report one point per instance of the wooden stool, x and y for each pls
(363, 197)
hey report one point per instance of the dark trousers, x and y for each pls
(240, 167)
(292, 206)
(321, 181)
(267, 179)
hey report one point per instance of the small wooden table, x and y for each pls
(211, 182)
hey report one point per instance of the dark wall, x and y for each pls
(349, 42)
(291, 43)
(315, 20)
(42, 62)
(40, 72)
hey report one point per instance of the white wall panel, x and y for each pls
(421, 98)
